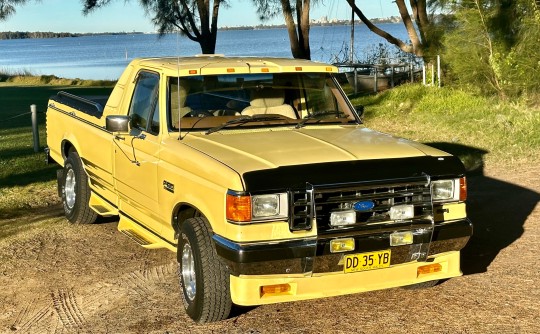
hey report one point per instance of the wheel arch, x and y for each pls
(181, 212)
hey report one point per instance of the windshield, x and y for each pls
(265, 99)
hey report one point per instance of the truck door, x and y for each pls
(136, 156)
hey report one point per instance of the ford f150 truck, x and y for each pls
(261, 176)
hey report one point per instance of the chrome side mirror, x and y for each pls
(117, 123)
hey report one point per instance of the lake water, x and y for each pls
(105, 56)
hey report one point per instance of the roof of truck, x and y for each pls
(218, 64)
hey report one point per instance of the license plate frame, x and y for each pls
(353, 263)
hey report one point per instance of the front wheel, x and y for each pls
(203, 278)
(76, 192)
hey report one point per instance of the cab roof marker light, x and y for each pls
(298, 68)
(192, 71)
(231, 70)
(265, 70)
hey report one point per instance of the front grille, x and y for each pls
(318, 201)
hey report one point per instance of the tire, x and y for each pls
(204, 279)
(75, 191)
(423, 285)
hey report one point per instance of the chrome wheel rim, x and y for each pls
(69, 188)
(188, 272)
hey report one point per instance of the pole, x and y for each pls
(439, 70)
(424, 74)
(35, 132)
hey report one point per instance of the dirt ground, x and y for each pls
(60, 278)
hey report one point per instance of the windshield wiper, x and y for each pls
(315, 116)
(244, 119)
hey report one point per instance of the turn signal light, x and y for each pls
(429, 269)
(277, 289)
(238, 208)
(463, 189)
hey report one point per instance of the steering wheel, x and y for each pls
(198, 113)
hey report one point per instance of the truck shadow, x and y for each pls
(497, 209)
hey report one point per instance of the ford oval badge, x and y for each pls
(363, 206)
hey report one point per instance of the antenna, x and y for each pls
(178, 79)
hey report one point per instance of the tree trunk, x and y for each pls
(303, 23)
(296, 49)
(411, 31)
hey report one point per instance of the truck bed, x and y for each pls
(91, 105)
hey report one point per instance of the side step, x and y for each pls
(101, 206)
(141, 235)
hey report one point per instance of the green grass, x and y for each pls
(471, 127)
(26, 181)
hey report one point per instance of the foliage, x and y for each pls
(7, 7)
(37, 34)
(493, 46)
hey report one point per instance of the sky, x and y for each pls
(128, 16)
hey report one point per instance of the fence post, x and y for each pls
(439, 70)
(35, 131)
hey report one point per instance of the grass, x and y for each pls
(474, 128)
(26, 181)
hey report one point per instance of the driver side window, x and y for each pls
(144, 107)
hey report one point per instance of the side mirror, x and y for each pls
(117, 123)
(360, 111)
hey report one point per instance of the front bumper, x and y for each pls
(312, 255)
(247, 290)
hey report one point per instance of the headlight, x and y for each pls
(449, 190)
(247, 208)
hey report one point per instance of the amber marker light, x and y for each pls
(192, 71)
(238, 208)
(230, 70)
(463, 189)
(265, 70)
(328, 69)
(277, 289)
(298, 68)
(429, 269)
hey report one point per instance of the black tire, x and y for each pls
(204, 279)
(75, 191)
(423, 285)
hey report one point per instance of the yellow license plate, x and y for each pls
(366, 261)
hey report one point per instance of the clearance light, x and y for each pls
(463, 189)
(298, 68)
(429, 269)
(230, 70)
(341, 245)
(277, 289)
(329, 69)
(238, 208)
(192, 71)
(265, 70)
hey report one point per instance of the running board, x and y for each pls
(141, 235)
(101, 206)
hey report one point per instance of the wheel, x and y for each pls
(203, 278)
(423, 285)
(75, 191)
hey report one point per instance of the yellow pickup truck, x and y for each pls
(259, 173)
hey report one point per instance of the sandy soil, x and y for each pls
(60, 278)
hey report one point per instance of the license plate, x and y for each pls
(366, 261)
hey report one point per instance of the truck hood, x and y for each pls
(259, 149)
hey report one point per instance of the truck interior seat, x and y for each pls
(269, 101)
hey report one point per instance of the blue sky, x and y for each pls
(66, 15)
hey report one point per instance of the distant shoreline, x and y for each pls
(8, 35)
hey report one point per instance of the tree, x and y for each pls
(7, 8)
(197, 19)
(421, 40)
(298, 31)
(493, 46)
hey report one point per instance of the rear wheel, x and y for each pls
(203, 278)
(76, 192)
